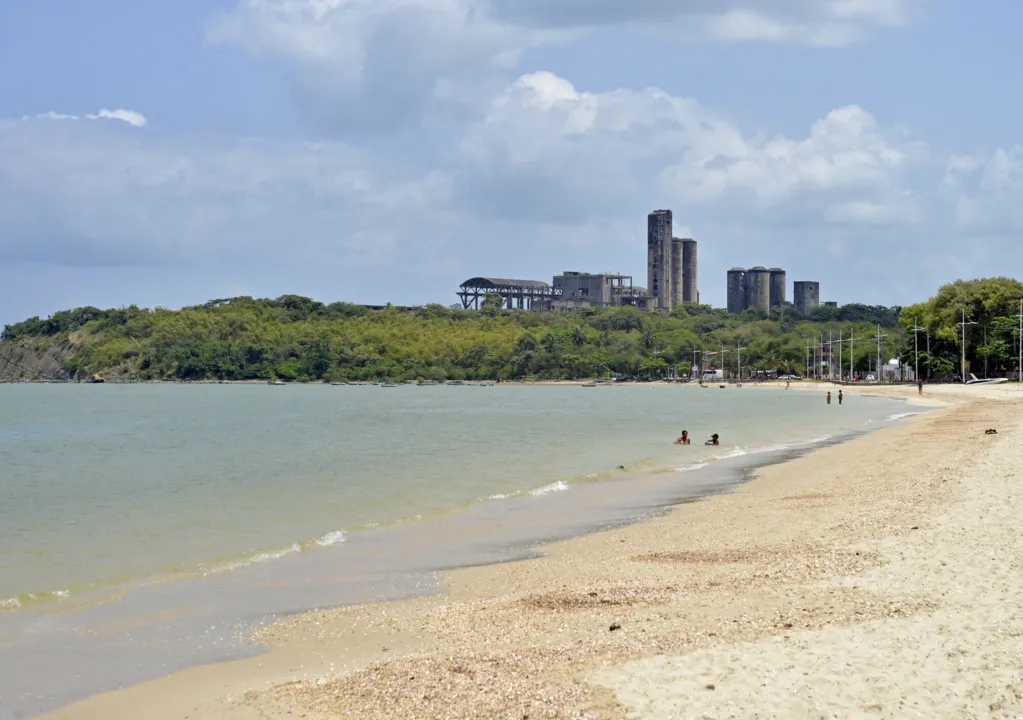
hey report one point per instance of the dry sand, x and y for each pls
(879, 578)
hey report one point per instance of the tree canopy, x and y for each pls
(298, 338)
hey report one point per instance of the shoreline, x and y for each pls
(661, 492)
(292, 636)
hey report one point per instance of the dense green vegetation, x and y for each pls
(992, 306)
(296, 338)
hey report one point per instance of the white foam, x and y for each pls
(257, 558)
(499, 496)
(558, 486)
(331, 538)
(899, 416)
(691, 466)
(10, 604)
(60, 593)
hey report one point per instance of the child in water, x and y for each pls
(713, 440)
(683, 439)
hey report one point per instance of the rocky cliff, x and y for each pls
(33, 359)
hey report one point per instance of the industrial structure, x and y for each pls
(757, 288)
(671, 264)
(515, 294)
(806, 295)
(671, 275)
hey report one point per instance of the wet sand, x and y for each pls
(877, 578)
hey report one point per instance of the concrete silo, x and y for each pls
(806, 295)
(777, 287)
(690, 289)
(658, 242)
(738, 295)
(758, 284)
(676, 272)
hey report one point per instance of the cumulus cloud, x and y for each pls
(986, 189)
(380, 65)
(131, 117)
(92, 193)
(546, 149)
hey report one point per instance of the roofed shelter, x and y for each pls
(515, 294)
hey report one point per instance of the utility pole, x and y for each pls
(878, 338)
(963, 324)
(916, 349)
(738, 353)
(852, 354)
(929, 361)
(831, 356)
(1019, 368)
(840, 366)
(692, 368)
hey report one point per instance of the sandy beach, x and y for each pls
(877, 578)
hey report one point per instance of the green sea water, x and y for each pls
(105, 484)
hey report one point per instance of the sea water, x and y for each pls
(246, 501)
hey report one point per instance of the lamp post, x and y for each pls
(963, 324)
(916, 349)
(1019, 368)
(877, 367)
(738, 353)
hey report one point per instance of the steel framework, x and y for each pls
(515, 294)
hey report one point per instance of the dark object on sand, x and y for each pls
(615, 626)
(990, 431)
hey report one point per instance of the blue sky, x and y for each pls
(385, 150)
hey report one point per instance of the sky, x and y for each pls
(374, 151)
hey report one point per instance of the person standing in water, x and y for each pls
(839, 397)
(829, 397)
(713, 440)
(683, 439)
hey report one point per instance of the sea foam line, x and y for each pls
(900, 416)
(558, 486)
(332, 538)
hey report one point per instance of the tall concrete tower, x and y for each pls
(806, 295)
(758, 283)
(658, 263)
(737, 293)
(690, 290)
(777, 287)
(676, 273)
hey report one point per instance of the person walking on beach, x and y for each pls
(839, 397)
(920, 386)
(829, 397)
(683, 439)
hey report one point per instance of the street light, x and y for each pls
(916, 349)
(963, 324)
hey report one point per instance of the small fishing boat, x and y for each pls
(455, 382)
(388, 385)
(275, 382)
(589, 384)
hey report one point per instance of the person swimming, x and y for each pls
(713, 440)
(683, 439)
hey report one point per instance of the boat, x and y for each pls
(275, 382)
(987, 381)
(455, 382)
(388, 385)
(589, 384)
(338, 383)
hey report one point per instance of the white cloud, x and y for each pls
(549, 148)
(986, 190)
(131, 117)
(379, 65)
